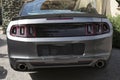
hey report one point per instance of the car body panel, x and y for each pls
(26, 51)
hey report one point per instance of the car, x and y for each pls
(59, 33)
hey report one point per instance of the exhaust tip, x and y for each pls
(100, 64)
(22, 67)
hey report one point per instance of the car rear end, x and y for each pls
(61, 39)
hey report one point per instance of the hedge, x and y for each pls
(116, 27)
(11, 9)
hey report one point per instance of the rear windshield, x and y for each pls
(37, 7)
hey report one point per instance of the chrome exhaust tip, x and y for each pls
(22, 67)
(100, 64)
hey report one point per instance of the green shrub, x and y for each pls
(116, 27)
(11, 9)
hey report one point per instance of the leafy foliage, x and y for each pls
(116, 27)
(11, 9)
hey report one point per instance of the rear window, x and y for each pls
(37, 7)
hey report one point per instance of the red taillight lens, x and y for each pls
(97, 28)
(23, 31)
(31, 31)
(90, 30)
(43, 30)
(13, 30)
(105, 28)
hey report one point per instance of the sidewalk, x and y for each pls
(6, 72)
(1, 32)
(3, 37)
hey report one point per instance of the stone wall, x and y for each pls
(11, 9)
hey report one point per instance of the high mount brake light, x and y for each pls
(23, 31)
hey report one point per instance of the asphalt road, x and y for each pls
(111, 72)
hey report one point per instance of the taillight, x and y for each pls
(90, 30)
(13, 30)
(23, 31)
(97, 28)
(38, 30)
(31, 31)
(105, 28)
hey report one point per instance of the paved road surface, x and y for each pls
(111, 72)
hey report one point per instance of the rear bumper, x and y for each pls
(26, 53)
(59, 61)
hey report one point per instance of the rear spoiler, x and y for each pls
(58, 16)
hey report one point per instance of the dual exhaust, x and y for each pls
(100, 64)
(22, 67)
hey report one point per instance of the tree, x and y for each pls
(11, 9)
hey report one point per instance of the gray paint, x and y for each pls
(23, 50)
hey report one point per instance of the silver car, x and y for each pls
(59, 33)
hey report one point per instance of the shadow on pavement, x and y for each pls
(111, 72)
(3, 73)
(70, 74)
